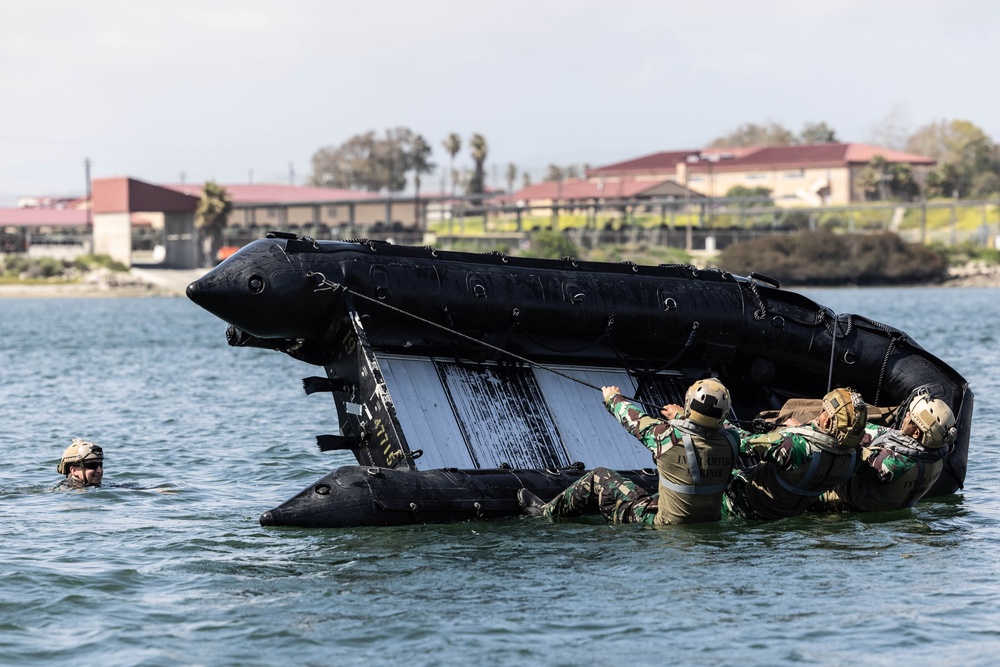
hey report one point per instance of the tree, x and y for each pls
(892, 130)
(420, 163)
(743, 192)
(477, 184)
(554, 174)
(986, 184)
(884, 180)
(393, 158)
(211, 217)
(752, 134)
(963, 152)
(366, 162)
(902, 184)
(453, 144)
(511, 175)
(817, 133)
(350, 165)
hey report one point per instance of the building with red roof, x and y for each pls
(808, 175)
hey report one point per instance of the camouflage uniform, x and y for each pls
(681, 498)
(895, 472)
(69, 484)
(797, 464)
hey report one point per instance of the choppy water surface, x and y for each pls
(168, 566)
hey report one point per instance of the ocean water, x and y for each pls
(167, 565)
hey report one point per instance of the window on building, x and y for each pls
(793, 173)
(756, 176)
(331, 212)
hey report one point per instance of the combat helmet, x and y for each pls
(707, 402)
(848, 414)
(79, 452)
(935, 420)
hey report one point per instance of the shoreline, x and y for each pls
(138, 282)
(146, 282)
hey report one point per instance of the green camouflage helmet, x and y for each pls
(848, 414)
(707, 402)
(79, 452)
(935, 420)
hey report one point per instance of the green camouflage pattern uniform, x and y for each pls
(70, 484)
(895, 472)
(797, 465)
(680, 499)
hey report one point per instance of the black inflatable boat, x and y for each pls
(459, 378)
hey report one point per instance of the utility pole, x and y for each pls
(90, 202)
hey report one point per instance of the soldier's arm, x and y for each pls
(887, 464)
(652, 432)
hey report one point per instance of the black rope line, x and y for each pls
(323, 284)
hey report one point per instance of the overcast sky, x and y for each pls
(241, 89)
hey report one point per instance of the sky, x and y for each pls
(248, 90)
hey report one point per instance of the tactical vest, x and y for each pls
(694, 473)
(870, 493)
(777, 493)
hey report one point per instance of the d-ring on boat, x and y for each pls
(459, 378)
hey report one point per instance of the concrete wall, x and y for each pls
(181, 241)
(113, 236)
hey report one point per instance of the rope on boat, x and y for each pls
(322, 283)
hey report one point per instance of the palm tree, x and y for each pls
(452, 144)
(477, 184)
(211, 217)
(511, 177)
(419, 153)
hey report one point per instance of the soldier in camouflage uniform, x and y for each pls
(693, 453)
(83, 465)
(899, 466)
(799, 463)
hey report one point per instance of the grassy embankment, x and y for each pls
(21, 270)
(847, 246)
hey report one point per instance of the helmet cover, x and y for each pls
(935, 420)
(707, 402)
(848, 414)
(79, 452)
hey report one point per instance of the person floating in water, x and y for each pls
(694, 455)
(83, 465)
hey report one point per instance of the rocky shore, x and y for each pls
(974, 274)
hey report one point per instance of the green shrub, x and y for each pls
(551, 245)
(825, 258)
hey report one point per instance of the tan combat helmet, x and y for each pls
(935, 420)
(707, 402)
(848, 414)
(79, 452)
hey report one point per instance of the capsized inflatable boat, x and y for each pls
(459, 378)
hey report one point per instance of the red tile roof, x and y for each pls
(270, 193)
(39, 217)
(121, 194)
(667, 160)
(764, 157)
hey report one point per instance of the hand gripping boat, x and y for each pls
(459, 378)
